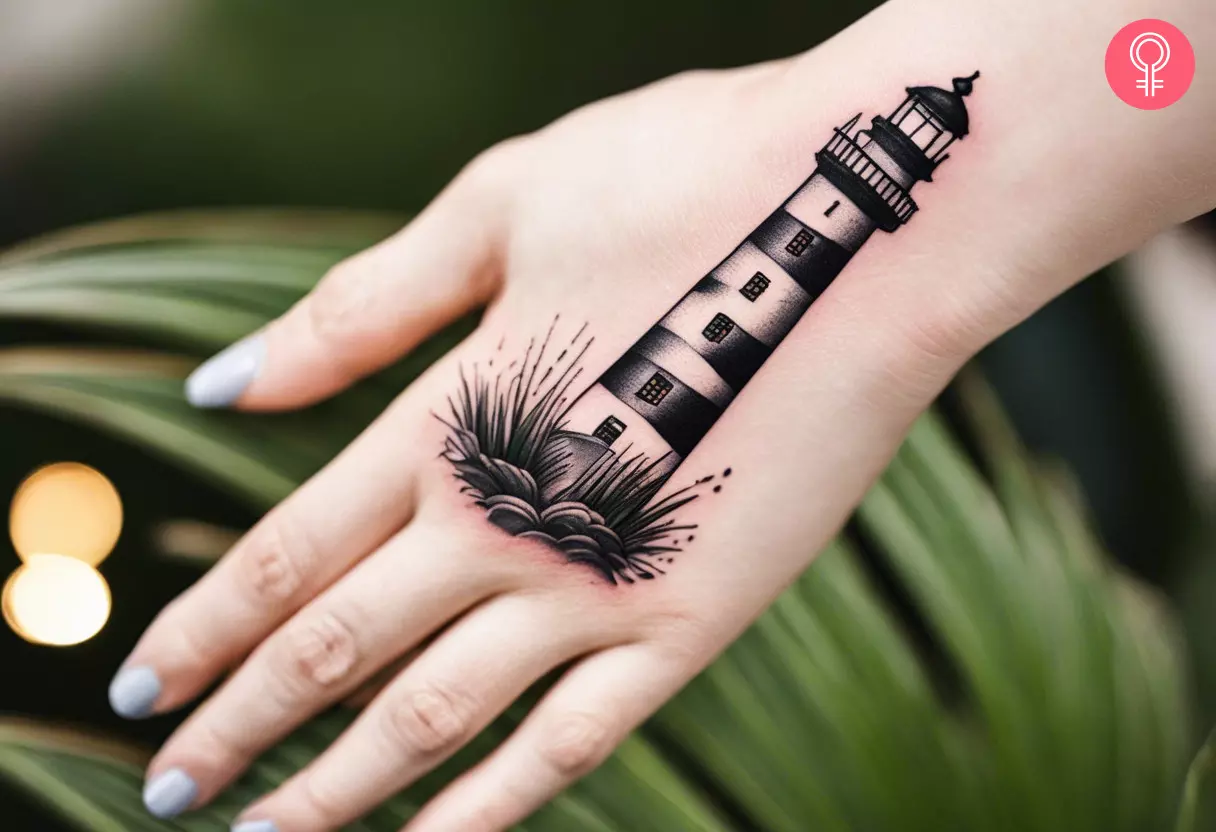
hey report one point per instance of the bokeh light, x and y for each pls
(56, 600)
(69, 509)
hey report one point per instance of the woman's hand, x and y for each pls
(608, 217)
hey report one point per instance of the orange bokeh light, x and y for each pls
(67, 509)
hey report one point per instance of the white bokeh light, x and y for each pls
(56, 600)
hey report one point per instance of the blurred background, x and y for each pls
(114, 107)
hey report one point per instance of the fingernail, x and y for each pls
(169, 794)
(224, 377)
(133, 692)
(256, 826)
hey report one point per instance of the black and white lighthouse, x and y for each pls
(667, 391)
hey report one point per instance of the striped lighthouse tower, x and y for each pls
(667, 391)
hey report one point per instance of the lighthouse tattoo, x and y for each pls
(586, 475)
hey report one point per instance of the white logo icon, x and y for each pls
(1150, 83)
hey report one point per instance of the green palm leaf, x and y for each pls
(998, 676)
(193, 278)
(1198, 810)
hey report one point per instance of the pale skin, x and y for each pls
(608, 216)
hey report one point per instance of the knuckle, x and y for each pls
(182, 632)
(576, 745)
(685, 639)
(430, 720)
(492, 169)
(317, 654)
(273, 560)
(340, 306)
(321, 801)
(490, 162)
(693, 77)
(676, 626)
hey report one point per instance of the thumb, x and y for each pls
(368, 310)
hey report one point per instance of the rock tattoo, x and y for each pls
(585, 475)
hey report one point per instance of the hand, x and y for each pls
(608, 217)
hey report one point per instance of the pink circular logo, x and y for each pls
(1150, 64)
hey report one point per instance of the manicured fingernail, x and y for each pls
(256, 826)
(224, 377)
(169, 794)
(133, 692)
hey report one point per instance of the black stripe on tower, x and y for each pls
(807, 256)
(665, 348)
(735, 358)
(680, 415)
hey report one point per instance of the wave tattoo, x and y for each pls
(584, 475)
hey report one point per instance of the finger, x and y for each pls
(573, 729)
(465, 679)
(346, 511)
(371, 308)
(383, 607)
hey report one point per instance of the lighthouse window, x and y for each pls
(609, 430)
(718, 328)
(754, 287)
(799, 244)
(653, 391)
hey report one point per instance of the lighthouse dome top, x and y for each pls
(948, 105)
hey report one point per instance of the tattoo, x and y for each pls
(584, 475)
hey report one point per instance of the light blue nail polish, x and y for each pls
(133, 692)
(255, 826)
(170, 793)
(224, 377)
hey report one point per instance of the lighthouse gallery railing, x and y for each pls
(850, 154)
